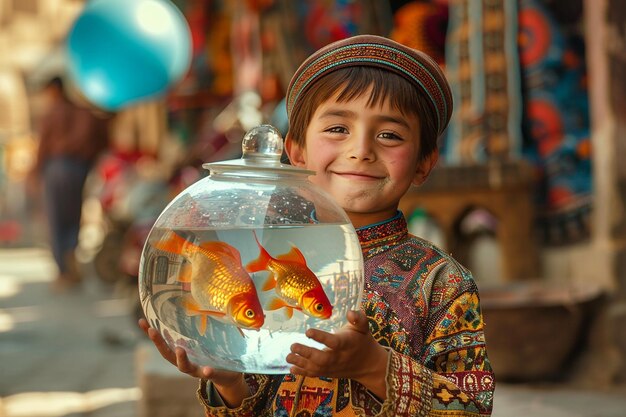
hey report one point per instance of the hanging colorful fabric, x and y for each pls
(556, 118)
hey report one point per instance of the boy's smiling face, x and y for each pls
(365, 156)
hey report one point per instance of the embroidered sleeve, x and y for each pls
(410, 388)
(253, 406)
(415, 390)
(454, 348)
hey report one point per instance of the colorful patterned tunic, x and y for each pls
(424, 307)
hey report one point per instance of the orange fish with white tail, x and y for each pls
(295, 284)
(220, 286)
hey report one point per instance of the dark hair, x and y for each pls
(351, 83)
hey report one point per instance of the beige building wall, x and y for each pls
(603, 261)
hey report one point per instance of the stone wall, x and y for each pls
(616, 53)
(604, 261)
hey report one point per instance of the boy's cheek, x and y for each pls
(317, 180)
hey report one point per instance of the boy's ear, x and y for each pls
(294, 152)
(424, 167)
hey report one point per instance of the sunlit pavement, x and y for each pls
(62, 354)
(72, 354)
(558, 401)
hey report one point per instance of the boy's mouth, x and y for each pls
(358, 176)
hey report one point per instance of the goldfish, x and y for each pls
(295, 284)
(220, 286)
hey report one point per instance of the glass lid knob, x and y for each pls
(262, 149)
(261, 143)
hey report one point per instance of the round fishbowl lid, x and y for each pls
(262, 148)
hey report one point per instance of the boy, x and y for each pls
(365, 114)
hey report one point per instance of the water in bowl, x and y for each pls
(331, 252)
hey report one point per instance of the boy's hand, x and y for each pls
(231, 385)
(350, 353)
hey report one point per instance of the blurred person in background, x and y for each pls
(71, 138)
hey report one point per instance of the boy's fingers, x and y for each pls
(296, 360)
(206, 372)
(302, 350)
(328, 339)
(303, 357)
(183, 362)
(309, 358)
(302, 365)
(177, 357)
(161, 346)
(358, 320)
(296, 370)
(155, 336)
(143, 325)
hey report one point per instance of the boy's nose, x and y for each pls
(361, 148)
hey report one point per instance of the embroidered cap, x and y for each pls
(376, 51)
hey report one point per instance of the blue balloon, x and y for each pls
(124, 51)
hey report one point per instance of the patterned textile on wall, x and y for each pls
(556, 116)
(483, 69)
(293, 29)
(211, 65)
(422, 25)
(209, 81)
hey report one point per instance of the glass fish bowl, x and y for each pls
(241, 263)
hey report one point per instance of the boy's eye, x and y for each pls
(389, 136)
(337, 129)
